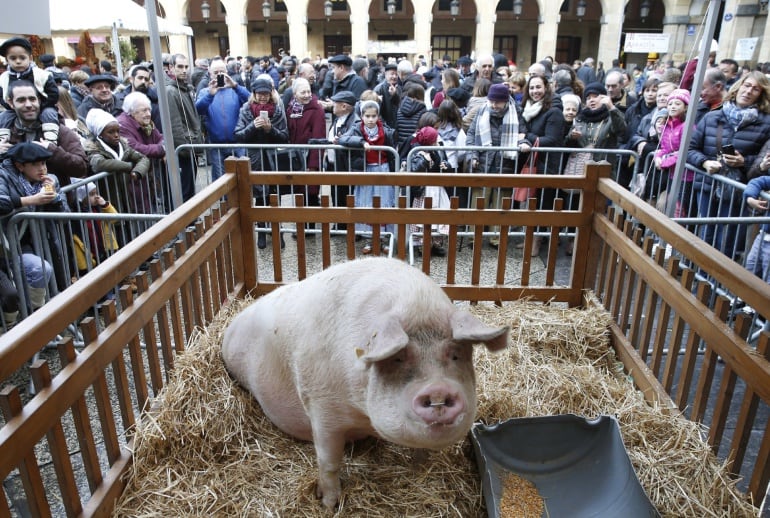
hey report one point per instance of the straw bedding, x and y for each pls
(209, 450)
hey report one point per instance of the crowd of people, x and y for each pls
(61, 126)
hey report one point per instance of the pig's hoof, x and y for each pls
(329, 492)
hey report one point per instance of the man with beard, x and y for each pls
(615, 85)
(101, 96)
(67, 156)
(185, 122)
(139, 81)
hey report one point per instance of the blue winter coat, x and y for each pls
(221, 111)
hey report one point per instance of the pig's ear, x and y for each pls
(467, 328)
(387, 339)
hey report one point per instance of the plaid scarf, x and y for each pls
(509, 130)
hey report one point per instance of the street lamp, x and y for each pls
(518, 7)
(644, 9)
(266, 10)
(390, 5)
(454, 8)
(328, 8)
(205, 11)
(580, 10)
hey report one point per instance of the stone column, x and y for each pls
(763, 55)
(485, 27)
(609, 35)
(297, 33)
(742, 16)
(359, 27)
(238, 34)
(548, 30)
(423, 18)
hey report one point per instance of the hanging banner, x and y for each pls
(646, 42)
(744, 49)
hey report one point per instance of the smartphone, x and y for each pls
(220, 80)
(729, 149)
(263, 114)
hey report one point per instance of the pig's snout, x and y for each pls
(438, 404)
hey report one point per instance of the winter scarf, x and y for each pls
(509, 130)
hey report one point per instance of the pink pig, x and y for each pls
(365, 348)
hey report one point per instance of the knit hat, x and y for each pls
(460, 96)
(262, 86)
(97, 120)
(681, 94)
(499, 92)
(83, 190)
(595, 88)
(660, 114)
(426, 136)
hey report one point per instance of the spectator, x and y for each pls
(744, 122)
(498, 124)
(761, 163)
(464, 68)
(570, 109)
(616, 89)
(68, 158)
(200, 71)
(93, 240)
(17, 52)
(100, 96)
(371, 131)
(409, 111)
(344, 78)
(758, 260)
(108, 152)
(68, 115)
(729, 68)
(25, 183)
(712, 92)
(185, 123)
(343, 119)
(485, 69)
(667, 155)
(219, 106)
(476, 102)
(305, 119)
(262, 120)
(545, 123)
(267, 66)
(139, 81)
(389, 93)
(586, 72)
(449, 79)
(78, 89)
(304, 71)
(9, 297)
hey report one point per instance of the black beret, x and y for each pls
(464, 60)
(47, 59)
(341, 59)
(345, 96)
(391, 66)
(16, 41)
(101, 77)
(27, 152)
(595, 88)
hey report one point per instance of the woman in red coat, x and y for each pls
(305, 118)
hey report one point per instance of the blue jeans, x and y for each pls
(758, 260)
(727, 238)
(37, 270)
(217, 160)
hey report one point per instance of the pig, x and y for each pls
(370, 347)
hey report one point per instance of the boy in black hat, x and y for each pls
(17, 51)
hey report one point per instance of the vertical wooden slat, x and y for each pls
(401, 230)
(621, 270)
(102, 398)
(245, 246)
(640, 305)
(675, 339)
(205, 272)
(652, 311)
(503, 247)
(299, 201)
(196, 298)
(376, 249)
(57, 444)
(350, 202)
(606, 263)
(220, 291)
(326, 249)
(708, 366)
(747, 414)
(703, 294)
(176, 316)
(150, 342)
(82, 422)
(553, 247)
(632, 285)
(427, 237)
(135, 353)
(451, 265)
(275, 228)
(726, 390)
(478, 243)
(661, 333)
(109, 316)
(526, 260)
(10, 402)
(164, 326)
(760, 476)
(185, 291)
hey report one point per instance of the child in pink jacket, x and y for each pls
(670, 140)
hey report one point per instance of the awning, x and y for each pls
(98, 16)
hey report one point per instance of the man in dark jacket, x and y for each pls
(67, 156)
(389, 91)
(344, 79)
(101, 96)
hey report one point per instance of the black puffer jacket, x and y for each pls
(409, 113)
(548, 127)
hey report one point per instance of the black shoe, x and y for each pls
(261, 241)
(283, 243)
(438, 251)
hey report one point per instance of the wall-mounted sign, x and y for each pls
(646, 42)
(744, 48)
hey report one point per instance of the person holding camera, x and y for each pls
(219, 105)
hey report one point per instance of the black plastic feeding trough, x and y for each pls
(579, 466)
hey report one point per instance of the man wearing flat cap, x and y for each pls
(343, 78)
(389, 91)
(343, 119)
(101, 96)
(26, 184)
(68, 159)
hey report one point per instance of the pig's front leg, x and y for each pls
(330, 449)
